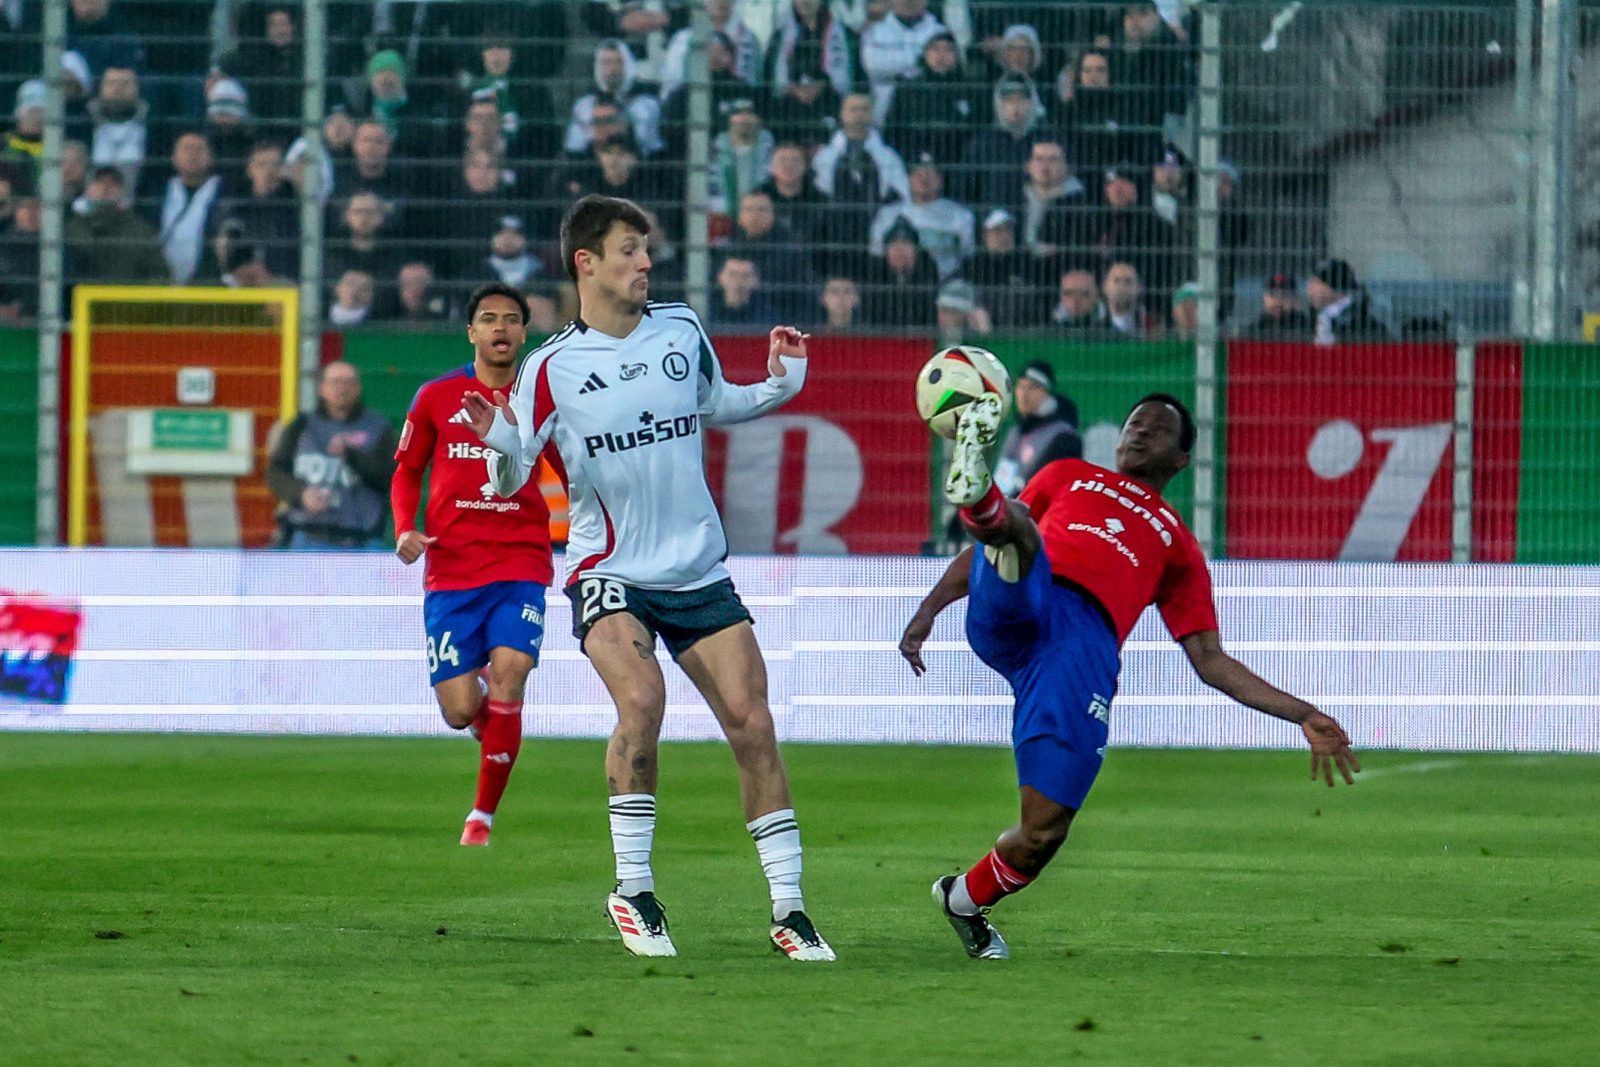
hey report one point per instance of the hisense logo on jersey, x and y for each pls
(654, 432)
(461, 451)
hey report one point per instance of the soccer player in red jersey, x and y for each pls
(488, 559)
(1064, 575)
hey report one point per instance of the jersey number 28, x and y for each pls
(599, 595)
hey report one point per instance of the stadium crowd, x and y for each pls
(960, 166)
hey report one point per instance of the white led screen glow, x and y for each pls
(1410, 656)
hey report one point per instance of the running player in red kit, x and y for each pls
(1064, 575)
(488, 557)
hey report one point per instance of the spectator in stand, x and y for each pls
(267, 219)
(613, 169)
(858, 171)
(1185, 312)
(361, 240)
(726, 88)
(229, 129)
(1342, 306)
(960, 316)
(1078, 310)
(457, 229)
(993, 160)
(418, 299)
(243, 269)
(97, 40)
(526, 110)
(1021, 55)
(646, 26)
(614, 76)
(740, 155)
(1060, 26)
(338, 152)
(1096, 119)
(1128, 230)
(798, 204)
(1056, 211)
(811, 67)
(107, 241)
(1046, 429)
(779, 257)
(1172, 190)
(891, 48)
(944, 227)
(120, 120)
(270, 68)
(937, 107)
(902, 283)
(739, 300)
(331, 467)
(1151, 66)
(1007, 277)
(75, 170)
(744, 45)
(1283, 317)
(1123, 293)
(666, 264)
(19, 262)
(513, 263)
(841, 305)
(483, 128)
(386, 97)
(352, 299)
(24, 142)
(441, 37)
(372, 167)
(187, 209)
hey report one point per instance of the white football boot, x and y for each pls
(795, 937)
(969, 478)
(642, 922)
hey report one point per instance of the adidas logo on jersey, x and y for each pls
(461, 417)
(594, 382)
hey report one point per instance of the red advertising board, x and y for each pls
(1347, 452)
(841, 468)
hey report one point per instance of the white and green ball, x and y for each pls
(954, 378)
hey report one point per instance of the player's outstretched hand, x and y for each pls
(1330, 747)
(917, 631)
(412, 545)
(480, 412)
(786, 341)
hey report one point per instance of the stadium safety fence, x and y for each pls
(1315, 222)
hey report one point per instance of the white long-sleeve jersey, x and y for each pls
(625, 418)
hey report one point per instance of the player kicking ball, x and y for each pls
(488, 559)
(1091, 549)
(624, 394)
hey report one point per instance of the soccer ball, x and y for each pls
(954, 378)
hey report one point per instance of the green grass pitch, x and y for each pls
(301, 900)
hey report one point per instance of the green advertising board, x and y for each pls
(1558, 511)
(19, 434)
(1104, 379)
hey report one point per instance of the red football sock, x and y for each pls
(992, 879)
(987, 512)
(502, 739)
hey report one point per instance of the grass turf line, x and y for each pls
(280, 901)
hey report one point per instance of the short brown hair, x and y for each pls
(589, 220)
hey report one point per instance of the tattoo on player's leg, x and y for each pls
(645, 652)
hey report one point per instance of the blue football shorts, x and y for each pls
(464, 624)
(1058, 650)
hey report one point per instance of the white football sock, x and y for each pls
(482, 816)
(633, 831)
(961, 900)
(777, 838)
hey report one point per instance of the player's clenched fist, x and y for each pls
(412, 545)
(786, 341)
(480, 413)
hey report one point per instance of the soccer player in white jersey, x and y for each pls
(619, 400)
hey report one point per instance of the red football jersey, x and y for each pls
(483, 538)
(1119, 540)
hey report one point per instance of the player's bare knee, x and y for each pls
(640, 708)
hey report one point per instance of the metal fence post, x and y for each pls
(1552, 236)
(47, 510)
(1207, 277)
(1461, 497)
(697, 234)
(312, 106)
(1522, 233)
